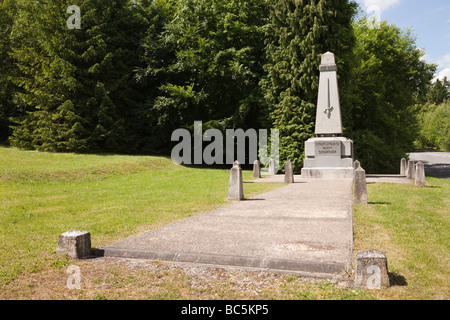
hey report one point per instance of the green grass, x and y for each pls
(45, 194)
(412, 226)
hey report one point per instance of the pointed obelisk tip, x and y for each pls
(327, 58)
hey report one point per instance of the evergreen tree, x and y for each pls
(298, 33)
(205, 65)
(78, 83)
(439, 91)
(45, 76)
(7, 68)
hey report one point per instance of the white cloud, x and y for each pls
(444, 61)
(443, 73)
(425, 56)
(443, 69)
(381, 5)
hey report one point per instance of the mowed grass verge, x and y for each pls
(412, 226)
(45, 194)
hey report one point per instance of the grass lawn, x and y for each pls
(412, 226)
(44, 194)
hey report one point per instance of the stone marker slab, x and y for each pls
(289, 172)
(356, 165)
(371, 270)
(410, 171)
(360, 187)
(235, 186)
(271, 166)
(420, 175)
(256, 169)
(403, 167)
(75, 243)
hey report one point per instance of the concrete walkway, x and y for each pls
(304, 228)
(437, 163)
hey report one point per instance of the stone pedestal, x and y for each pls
(75, 243)
(371, 270)
(328, 157)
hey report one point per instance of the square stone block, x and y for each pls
(371, 270)
(75, 243)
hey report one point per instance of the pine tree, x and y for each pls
(7, 67)
(46, 76)
(109, 55)
(439, 91)
(297, 34)
(78, 83)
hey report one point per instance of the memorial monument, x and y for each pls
(328, 154)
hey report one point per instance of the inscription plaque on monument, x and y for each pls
(328, 148)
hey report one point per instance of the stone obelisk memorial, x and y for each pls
(328, 154)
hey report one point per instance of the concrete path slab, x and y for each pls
(305, 227)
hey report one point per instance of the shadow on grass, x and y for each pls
(378, 202)
(396, 279)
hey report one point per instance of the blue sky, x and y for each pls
(429, 20)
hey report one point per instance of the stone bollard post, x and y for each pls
(420, 175)
(75, 243)
(371, 270)
(359, 187)
(289, 172)
(403, 167)
(271, 166)
(410, 171)
(235, 187)
(256, 169)
(356, 165)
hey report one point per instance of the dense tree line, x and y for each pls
(434, 117)
(138, 70)
(388, 80)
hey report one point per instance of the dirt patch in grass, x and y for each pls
(129, 279)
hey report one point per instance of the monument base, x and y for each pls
(328, 158)
(327, 173)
